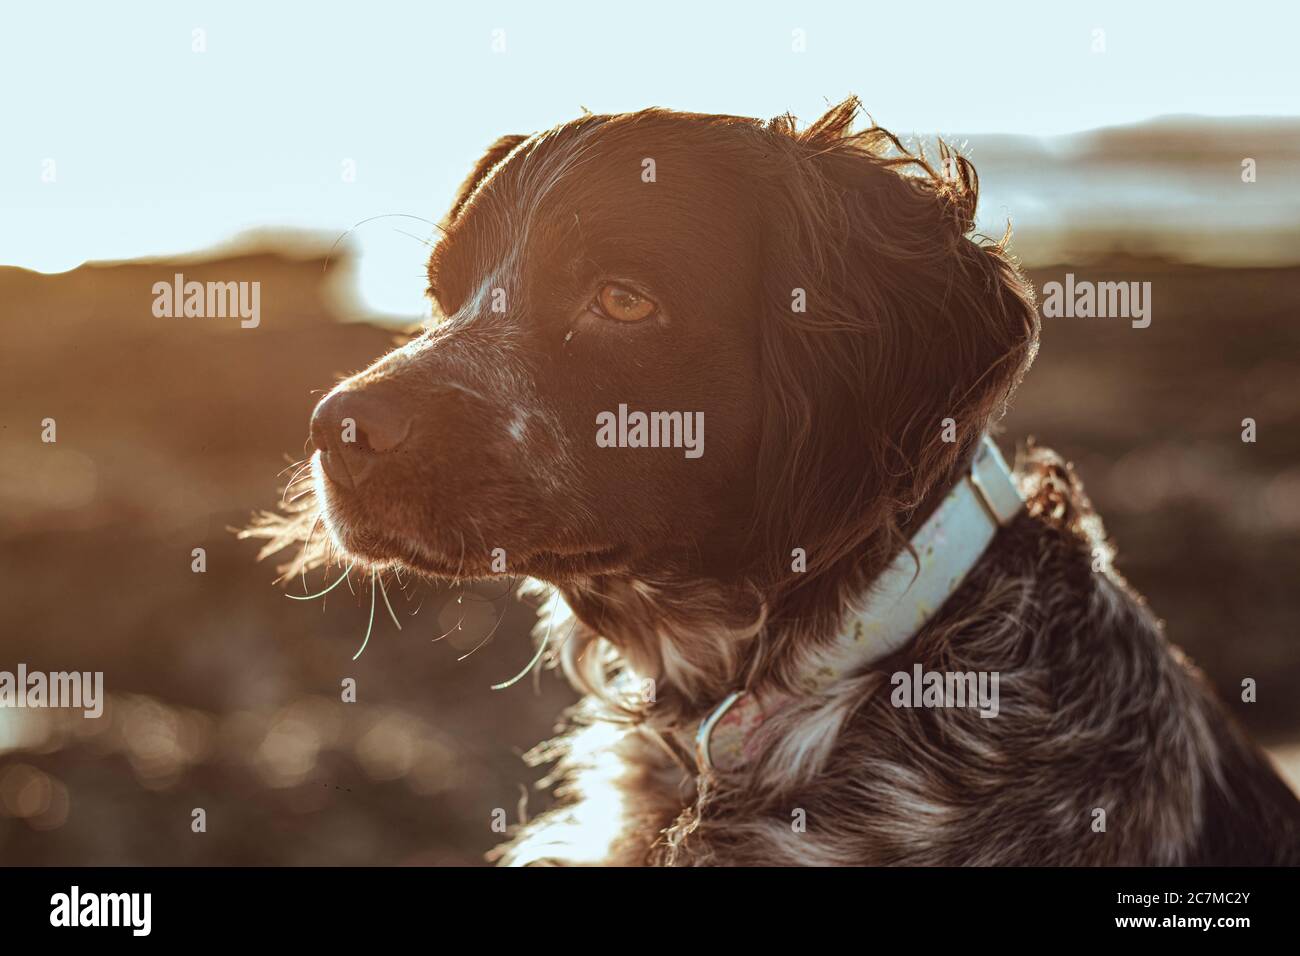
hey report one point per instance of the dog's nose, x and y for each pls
(352, 428)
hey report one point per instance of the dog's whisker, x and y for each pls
(486, 599)
(298, 472)
(455, 627)
(347, 232)
(312, 597)
(514, 582)
(296, 484)
(541, 648)
(294, 465)
(528, 667)
(305, 554)
(303, 472)
(419, 239)
(460, 565)
(387, 603)
(370, 626)
(485, 640)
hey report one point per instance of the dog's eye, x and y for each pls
(622, 304)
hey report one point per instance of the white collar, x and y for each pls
(897, 605)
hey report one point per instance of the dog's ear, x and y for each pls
(882, 319)
(495, 153)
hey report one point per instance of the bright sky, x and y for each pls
(158, 149)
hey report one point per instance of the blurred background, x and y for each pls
(260, 148)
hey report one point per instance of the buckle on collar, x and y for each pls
(703, 758)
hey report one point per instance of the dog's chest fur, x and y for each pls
(1107, 748)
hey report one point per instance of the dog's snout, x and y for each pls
(352, 429)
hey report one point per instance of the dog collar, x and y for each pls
(914, 586)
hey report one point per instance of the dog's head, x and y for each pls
(804, 310)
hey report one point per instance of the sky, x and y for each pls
(119, 138)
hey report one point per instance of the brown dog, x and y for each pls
(612, 286)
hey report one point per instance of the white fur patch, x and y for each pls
(518, 425)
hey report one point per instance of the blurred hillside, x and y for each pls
(1171, 187)
(225, 695)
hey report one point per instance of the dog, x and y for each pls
(743, 623)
